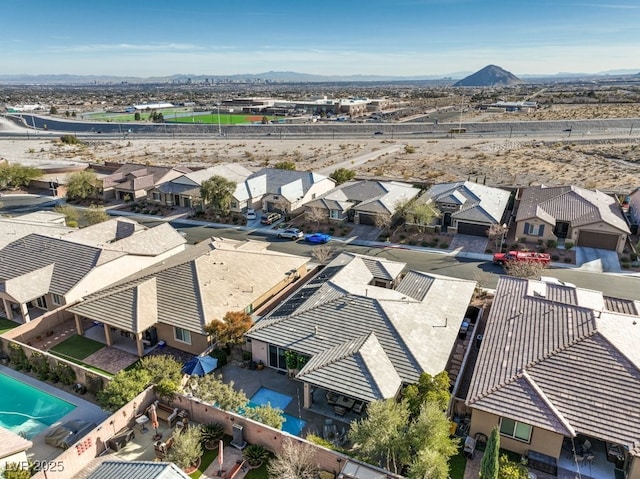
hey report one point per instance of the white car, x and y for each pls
(292, 233)
(552, 280)
(250, 214)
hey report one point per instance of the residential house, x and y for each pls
(559, 366)
(133, 182)
(41, 273)
(136, 470)
(585, 217)
(365, 329)
(467, 208)
(285, 191)
(47, 223)
(634, 210)
(175, 300)
(184, 190)
(364, 201)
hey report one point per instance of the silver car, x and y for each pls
(291, 233)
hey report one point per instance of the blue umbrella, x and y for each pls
(200, 365)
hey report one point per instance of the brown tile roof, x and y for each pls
(561, 362)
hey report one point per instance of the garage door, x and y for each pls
(367, 219)
(472, 229)
(593, 239)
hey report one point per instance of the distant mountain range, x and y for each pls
(491, 75)
(492, 72)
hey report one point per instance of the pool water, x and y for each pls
(264, 396)
(27, 411)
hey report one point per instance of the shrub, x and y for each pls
(66, 374)
(488, 251)
(93, 382)
(40, 365)
(17, 356)
(552, 243)
(555, 257)
(514, 246)
(187, 447)
(211, 434)
(69, 139)
(412, 242)
(567, 259)
(255, 454)
(444, 245)
(568, 244)
(72, 224)
(634, 256)
(424, 244)
(624, 259)
(220, 355)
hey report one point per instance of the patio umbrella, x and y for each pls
(200, 365)
(153, 417)
(220, 456)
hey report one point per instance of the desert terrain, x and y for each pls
(606, 164)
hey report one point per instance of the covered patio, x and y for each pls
(119, 339)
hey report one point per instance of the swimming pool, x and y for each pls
(293, 425)
(26, 410)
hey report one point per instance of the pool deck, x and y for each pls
(85, 411)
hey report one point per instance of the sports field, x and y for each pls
(212, 119)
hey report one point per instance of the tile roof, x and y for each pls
(340, 306)
(192, 288)
(12, 229)
(137, 470)
(291, 184)
(572, 204)
(562, 362)
(479, 203)
(363, 360)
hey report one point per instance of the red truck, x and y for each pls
(502, 258)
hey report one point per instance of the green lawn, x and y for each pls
(6, 325)
(457, 465)
(259, 473)
(77, 347)
(205, 461)
(212, 119)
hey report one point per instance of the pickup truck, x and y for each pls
(502, 258)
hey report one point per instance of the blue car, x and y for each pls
(317, 238)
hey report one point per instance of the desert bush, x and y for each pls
(552, 243)
(40, 365)
(444, 245)
(555, 257)
(567, 259)
(66, 374)
(18, 358)
(424, 244)
(568, 244)
(220, 355)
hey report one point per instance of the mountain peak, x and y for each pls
(491, 75)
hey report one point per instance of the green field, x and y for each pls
(212, 119)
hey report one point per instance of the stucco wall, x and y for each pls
(543, 441)
(166, 333)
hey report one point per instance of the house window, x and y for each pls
(57, 300)
(234, 204)
(156, 196)
(533, 230)
(335, 214)
(41, 302)
(183, 335)
(516, 430)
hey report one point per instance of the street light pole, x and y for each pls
(504, 233)
(219, 127)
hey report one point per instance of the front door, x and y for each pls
(561, 230)
(176, 200)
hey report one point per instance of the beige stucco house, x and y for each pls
(559, 366)
(133, 182)
(41, 273)
(570, 213)
(175, 300)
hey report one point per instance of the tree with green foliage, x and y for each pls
(71, 214)
(431, 445)
(266, 414)
(94, 215)
(285, 165)
(489, 466)
(511, 470)
(381, 436)
(218, 191)
(428, 389)
(17, 175)
(211, 389)
(136, 116)
(123, 388)
(186, 448)
(53, 110)
(342, 175)
(166, 373)
(421, 214)
(82, 185)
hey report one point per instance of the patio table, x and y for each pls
(345, 402)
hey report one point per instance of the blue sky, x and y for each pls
(370, 37)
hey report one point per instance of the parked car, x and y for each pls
(250, 214)
(291, 233)
(270, 218)
(317, 238)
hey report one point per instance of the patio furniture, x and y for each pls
(339, 410)
(358, 406)
(469, 447)
(543, 462)
(121, 439)
(332, 398)
(166, 413)
(142, 421)
(346, 402)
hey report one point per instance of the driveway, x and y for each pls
(597, 260)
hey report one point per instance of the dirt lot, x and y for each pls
(608, 166)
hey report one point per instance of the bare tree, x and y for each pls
(524, 269)
(382, 221)
(322, 254)
(496, 233)
(295, 461)
(315, 214)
